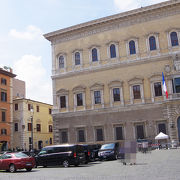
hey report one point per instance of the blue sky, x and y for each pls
(23, 23)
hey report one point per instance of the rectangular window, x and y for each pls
(29, 126)
(29, 140)
(99, 134)
(50, 111)
(63, 101)
(38, 127)
(3, 131)
(97, 97)
(3, 96)
(16, 127)
(37, 108)
(50, 128)
(116, 94)
(136, 92)
(176, 83)
(119, 133)
(79, 99)
(81, 135)
(3, 116)
(64, 137)
(157, 89)
(29, 107)
(16, 107)
(3, 81)
(162, 128)
(140, 132)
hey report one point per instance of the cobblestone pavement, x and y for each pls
(157, 165)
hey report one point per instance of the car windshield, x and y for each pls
(107, 146)
(21, 155)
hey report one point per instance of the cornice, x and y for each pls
(120, 64)
(115, 21)
(126, 108)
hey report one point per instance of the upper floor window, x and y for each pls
(97, 97)
(38, 127)
(3, 96)
(116, 94)
(37, 108)
(3, 81)
(136, 92)
(61, 62)
(63, 101)
(174, 39)
(16, 127)
(132, 47)
(16, 107)
(3, 115)
(79, 99)
(112, 51)
(50, 110)
(152, 43)
(157, 89)
(94, 54)
(29, 126)
(3, 131)
(50, 128)
(77, 58)
(176, 85)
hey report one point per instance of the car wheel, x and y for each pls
(115, 157)
(66, 163)
(12, 168)
(28, 169)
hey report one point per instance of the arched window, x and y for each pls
(174, 39)
(112, 51)
(77, 58)
(152, 43)
(132, 48)
(94, 55)
(61, 62)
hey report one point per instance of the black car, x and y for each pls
(66, 155)
(109, 151)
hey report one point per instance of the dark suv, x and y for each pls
(109, 151)
(66, 155)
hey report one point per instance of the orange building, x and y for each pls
(6, 105)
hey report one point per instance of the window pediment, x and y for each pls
(62, 92)
(97, 86)
(115, 83)
(155, 77)
(79, 88)
(135, 80)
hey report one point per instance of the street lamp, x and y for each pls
(32, 111)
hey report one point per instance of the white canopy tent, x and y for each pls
(161, 136)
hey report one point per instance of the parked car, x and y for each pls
(109, 151)
(66, 155)
(94, 149)
(13, 161)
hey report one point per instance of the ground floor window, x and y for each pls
(162, 128)
(99, 134)
(119, 133)
(140, 132)
(81, 135)
(63, 136)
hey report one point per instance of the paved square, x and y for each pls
(157, 165)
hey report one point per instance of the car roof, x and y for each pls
(61, 145)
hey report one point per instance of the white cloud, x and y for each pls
(31, 32)
(38, 86)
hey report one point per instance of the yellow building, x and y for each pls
(32, 122)
(107, 76)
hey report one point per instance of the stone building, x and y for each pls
(32, 124)
(107, 76)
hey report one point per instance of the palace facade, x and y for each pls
(107, 77)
